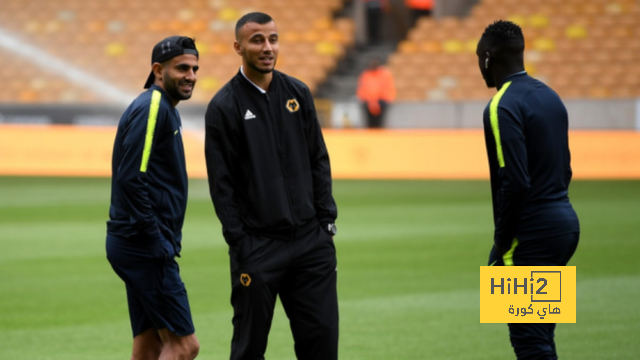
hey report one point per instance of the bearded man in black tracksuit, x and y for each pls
(148, 203)
(270, 182)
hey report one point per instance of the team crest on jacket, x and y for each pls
(292, 105)
(245, 279)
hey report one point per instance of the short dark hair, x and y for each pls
(254, 17)
(505, 35)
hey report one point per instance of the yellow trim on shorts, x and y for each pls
(508, 256)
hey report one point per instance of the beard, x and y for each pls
(488, 80)
(173, 90)
(489, 83)
(255, 67)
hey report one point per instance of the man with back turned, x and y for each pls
(526, 136)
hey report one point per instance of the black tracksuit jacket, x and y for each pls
(526, 132)
(267, 162)
(149, 178)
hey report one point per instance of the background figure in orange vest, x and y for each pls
(419, 8)
(376, 89)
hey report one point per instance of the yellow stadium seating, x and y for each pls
(582, 48)
(112, 40)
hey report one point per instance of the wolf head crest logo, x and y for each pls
(245, 280)
(292, 105)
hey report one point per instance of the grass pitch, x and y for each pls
(409, 254)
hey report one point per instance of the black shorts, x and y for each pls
(156, 294)
(550, 251)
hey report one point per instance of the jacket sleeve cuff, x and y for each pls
(235, 238)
